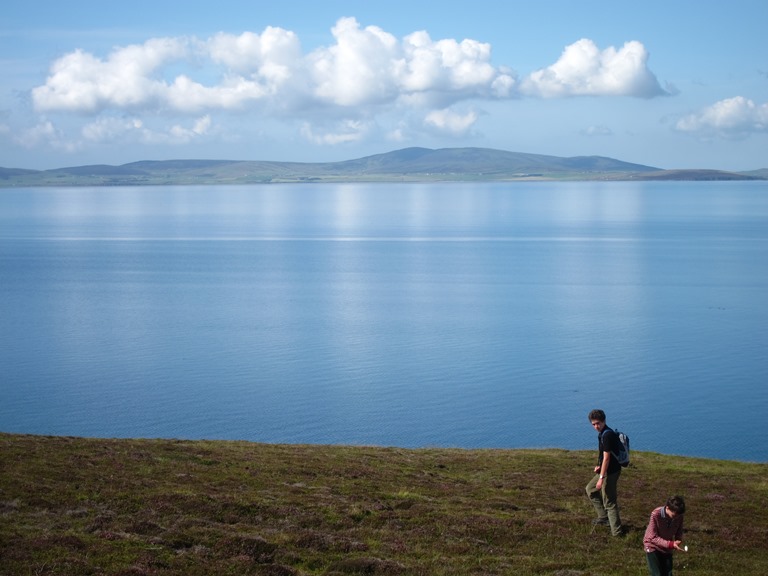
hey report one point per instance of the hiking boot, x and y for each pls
(600, 522)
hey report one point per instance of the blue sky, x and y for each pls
(674, 84)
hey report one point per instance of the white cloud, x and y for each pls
(189, 97)
(735, 117)
(585, 70)
(365, 74)
(43, 132)
(449, 122)
(398, 134)
(106, 130)
(358, 69)
(364, 67)
(177, 134)
(347, 131)
(109, 129)
(270, 55)
(181, 135)
(597, 130)
(448, 65)
(80, 82)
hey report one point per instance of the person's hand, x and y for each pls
(597, 469)
(678, 545)
(599, 484)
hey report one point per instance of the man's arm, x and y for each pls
(679, 531)
(603, 469)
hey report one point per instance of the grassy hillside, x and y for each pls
(160, 507)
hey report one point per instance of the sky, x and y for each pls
(673, 84)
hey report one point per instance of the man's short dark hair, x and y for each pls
(597, 414)
(676, 504)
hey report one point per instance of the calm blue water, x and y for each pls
(467, 315)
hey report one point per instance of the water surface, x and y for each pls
(469, 315)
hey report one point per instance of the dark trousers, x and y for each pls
(659, 564)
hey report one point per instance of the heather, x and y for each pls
(171, 507)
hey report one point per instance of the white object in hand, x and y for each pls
(685, 549)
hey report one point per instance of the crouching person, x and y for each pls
(664, 535)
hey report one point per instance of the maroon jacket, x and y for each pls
(662, 531)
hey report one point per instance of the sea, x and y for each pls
(414, 315)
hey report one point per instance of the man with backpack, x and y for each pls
(602, 490)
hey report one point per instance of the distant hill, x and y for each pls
(482, 162)
(408, 164)
(696, 175)
(762, 174)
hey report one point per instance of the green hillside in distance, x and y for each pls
(406, 165)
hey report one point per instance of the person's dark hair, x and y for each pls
(597, 414)
(676, 504)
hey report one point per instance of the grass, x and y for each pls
(79, 506)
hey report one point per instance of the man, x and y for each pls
(602, 489)
(664, 535)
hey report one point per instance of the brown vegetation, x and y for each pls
(159, 507)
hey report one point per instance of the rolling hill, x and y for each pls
(408, 164)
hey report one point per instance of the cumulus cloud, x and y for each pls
(585, 70)
(345, 131)
(270, 55)
(364, 67)
(363, 75)
(736, 117)
(44, 132)
(357, 70)
(110, 129)
(449, 122)
(105, 130)
(81, 82)
(179, 134)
